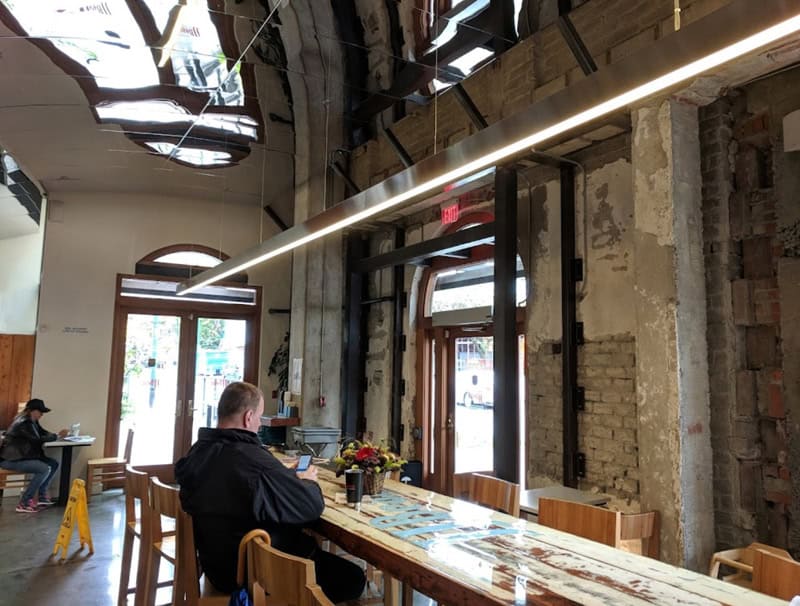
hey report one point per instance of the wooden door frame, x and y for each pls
(125, 305)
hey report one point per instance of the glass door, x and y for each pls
(173, 371)
(151, 386)
(474, 398)
(219, 359)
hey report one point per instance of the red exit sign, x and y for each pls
(450, 214)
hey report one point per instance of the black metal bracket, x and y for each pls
(398, 148)
(579, 333)
(276, 219)
(580, 465)
(573, 38)
(415, 254)
(402, 387)
(337, 168)
(577, 269)
(580, 398)
(469, 107)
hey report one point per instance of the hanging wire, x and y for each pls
(435, 77)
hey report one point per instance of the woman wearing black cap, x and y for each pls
(22, 451)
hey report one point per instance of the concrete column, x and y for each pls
(671, 349)
(317, 271)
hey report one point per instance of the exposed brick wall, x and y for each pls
(743, 247)
(544, 418)
(607, 428)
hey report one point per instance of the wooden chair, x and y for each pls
(108, 469)
(285, 577)
(741, 561)
(13, 479)
(177, 549)
(488, 491)
(611, 528)
(137, 493)
(317, 597)
(775, 575)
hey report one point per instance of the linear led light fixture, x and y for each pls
(697, 48)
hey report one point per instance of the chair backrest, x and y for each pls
(166, 502)
(641, 533)
(775, 575)
(317, 597)
(285, 577)
(128, 446)
(633, 532)
(587, 521)
(496, 493)
(488, 491)
(136, 489)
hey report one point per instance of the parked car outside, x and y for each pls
(475, 388)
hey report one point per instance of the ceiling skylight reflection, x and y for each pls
(198, 60)
(467, 62)
(103, 37)
(448, 32)
(202, 158)
(165, 111)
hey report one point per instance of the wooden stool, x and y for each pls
(108, 469)
(136, 491)
(13, 479)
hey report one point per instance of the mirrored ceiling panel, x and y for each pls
(199, 97)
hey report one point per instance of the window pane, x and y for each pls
(150, 387)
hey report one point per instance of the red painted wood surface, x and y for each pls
(460, 553)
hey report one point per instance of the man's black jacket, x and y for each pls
(230, 484)
(25, 439)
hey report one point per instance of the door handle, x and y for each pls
(179, 408)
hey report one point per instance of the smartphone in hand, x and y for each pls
(303, 462)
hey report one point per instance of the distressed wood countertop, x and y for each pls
(460, 553)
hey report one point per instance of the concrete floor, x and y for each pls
(30, 576)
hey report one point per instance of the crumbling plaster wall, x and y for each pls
(607, 427)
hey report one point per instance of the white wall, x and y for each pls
(90, 239)
(20, 265)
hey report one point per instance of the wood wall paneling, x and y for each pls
(16, 373)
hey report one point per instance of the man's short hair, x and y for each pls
(237, 398)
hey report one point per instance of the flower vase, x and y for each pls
(373, 483)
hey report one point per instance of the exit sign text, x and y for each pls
(450, 214)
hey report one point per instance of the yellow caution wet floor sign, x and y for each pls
(77, 512)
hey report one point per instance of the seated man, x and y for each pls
(231, 484)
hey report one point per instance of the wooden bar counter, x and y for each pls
(460, 553)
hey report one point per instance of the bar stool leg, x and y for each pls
(151, 583)
(125, 572)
